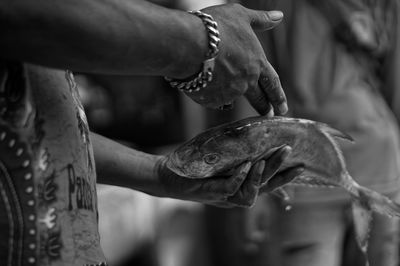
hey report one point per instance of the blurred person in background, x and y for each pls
(49, 157)
(339, 61)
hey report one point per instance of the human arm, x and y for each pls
(137, 37)
(121, 166)
(103, 36)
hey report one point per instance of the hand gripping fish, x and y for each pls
(225, 147)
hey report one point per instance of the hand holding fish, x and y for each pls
(314, 146)
(241, 67)
(240, 189)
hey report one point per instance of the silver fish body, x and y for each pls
(224, 147)
(220, 149)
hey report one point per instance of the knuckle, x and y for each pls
(264, 80)
(274, 89)
(260, 99)
(267, 16)
(274, 83)
(248, 202)
(280, 98)
(236, 6)
(252, 66)
(226, 191)
(252, 77)
(264, 16)
(259, 16)
(246, 199)
(253, 86)
(231, 190)
(237, 88)
(235, 184)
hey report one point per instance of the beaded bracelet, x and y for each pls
(206, 74)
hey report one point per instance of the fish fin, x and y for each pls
(284, 196)
(362, 218)
(278, 181)
(378, 202)
(312, 181)
(334, 132)
(364, 202)
(281, 193)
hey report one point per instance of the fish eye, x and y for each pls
(211, 158)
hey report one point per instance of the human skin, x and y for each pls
(141, 38)
(137, 37)
(48, 172)
(119, 165)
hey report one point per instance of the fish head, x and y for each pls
(206, 157)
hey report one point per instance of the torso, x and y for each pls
(48, 201)
(335, 85)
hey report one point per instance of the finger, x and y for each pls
(258, 100)
(238, 178)
(264, 20)
(271, 86)
(270, 113)
(223, 187)
(281, 193)
(274, 162)
(248, 192)
(282, 178)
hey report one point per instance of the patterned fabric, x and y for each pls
(48, 202)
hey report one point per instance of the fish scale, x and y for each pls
(220, 149)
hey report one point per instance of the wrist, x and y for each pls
(192, 50)
(205, 75)
(159, 176)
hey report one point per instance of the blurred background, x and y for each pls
(337, 62)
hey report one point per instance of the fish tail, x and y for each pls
(364, 201)
(333, 132)
(362, 218)
(378, 202)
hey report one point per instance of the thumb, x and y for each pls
(264, 20)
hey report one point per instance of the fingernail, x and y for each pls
(260, 168)
(283, 108)
(300, 170)
(286, 151)
(275, 15)
(270, 112)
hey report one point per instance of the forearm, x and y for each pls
(122, 166)
(104, 36)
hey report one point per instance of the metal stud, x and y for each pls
(19, 152)
(25, 163)
(28, 176)
(11, 143)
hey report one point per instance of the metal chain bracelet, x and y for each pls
(206, 74)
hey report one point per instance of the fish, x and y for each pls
(314, 145)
